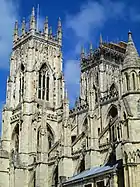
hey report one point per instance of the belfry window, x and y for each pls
(21, 89)
(43, 83)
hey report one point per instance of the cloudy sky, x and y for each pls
(83, 21)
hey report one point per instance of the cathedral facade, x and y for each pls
(95, 144)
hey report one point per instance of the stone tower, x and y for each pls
(35, 105)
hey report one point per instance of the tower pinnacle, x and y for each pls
(82, 52)
(23, 27)
(91, 48)
(46, 28)
(101, 40)
(130, 36)
(59, 31)
(16, 31)
(32, 20)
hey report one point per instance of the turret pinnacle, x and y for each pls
(66, 96)
(50, 32)
(91, 48)
(16, 31)
(23, 27)
(82, 52)
(101, 40)
(46, 28)
(131, 54)
(32, 20)
(59, 31)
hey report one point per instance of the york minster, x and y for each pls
(44, 143)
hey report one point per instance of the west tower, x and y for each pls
(32, 118)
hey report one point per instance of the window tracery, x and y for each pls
(43, 83)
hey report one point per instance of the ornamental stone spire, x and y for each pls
(101, 40)
(46, 28)
(50, 32)
(32, 20)
(82, 52)
(131, 54)
(23, 29)
(16, 31)
(59, 31)
(91, 49)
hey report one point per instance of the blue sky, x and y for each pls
(82, 20)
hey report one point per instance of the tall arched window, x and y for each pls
(43, 83)
(127, 82)
(133, 81)
(139, 80)
(21, 89)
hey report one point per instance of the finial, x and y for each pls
(130, 36)
(16, 31)
(50, 31)
(33, 12)
(66, 100)
(82, 51)
(91, 48)
(46, 21)
(66, 94)
(59, 23)
(46, 28)
(101, 40)
(59, 32)
(32, 20)
(23, 27)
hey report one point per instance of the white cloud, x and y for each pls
(92, 16)
(8, 15)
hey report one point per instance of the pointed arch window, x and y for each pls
(139, 80)
(21, 88)
(127, 82)
(133, 81)
(43, 83)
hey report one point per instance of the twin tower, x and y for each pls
(35, 111)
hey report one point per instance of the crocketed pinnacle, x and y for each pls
(131, 54)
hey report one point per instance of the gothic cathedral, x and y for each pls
(44, 143)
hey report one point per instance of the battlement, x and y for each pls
(45, 35)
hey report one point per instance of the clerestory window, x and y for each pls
(43, 83)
